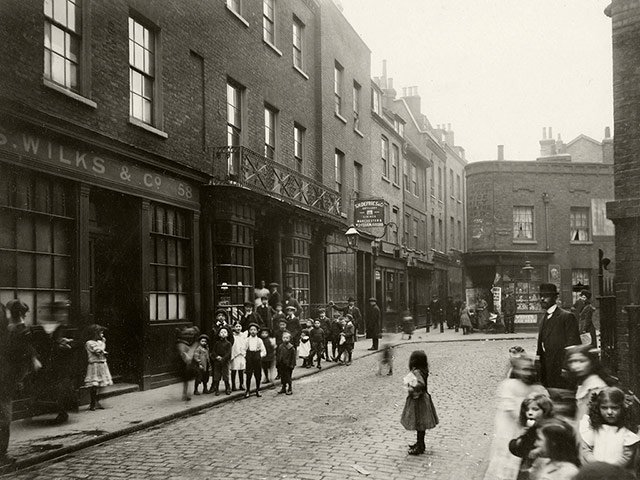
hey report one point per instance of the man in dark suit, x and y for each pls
(352, 309)
(374, 318)
(558, 329)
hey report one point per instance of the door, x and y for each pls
(115, 280)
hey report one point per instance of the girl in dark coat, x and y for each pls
(419, 412)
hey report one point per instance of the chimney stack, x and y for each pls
(607, 147)
(607, 132)
(500, 153)
(547, 144)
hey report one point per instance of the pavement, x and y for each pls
(37, 440)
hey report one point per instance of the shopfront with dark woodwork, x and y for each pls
(94, 234)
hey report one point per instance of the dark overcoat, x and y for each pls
(554, 335)
(374, 318)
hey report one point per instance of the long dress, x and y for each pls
(239, 351)
(98, 374)
(419, 413)
(510, 394)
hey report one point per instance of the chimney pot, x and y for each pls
(500, 153)
(607, 132)
(544, 133)
(550, 134)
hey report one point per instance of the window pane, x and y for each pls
(153, 306)
(60, 11)
(61, 272)
(57, 40)
(172, 314)
(43, 238)
(182, 306)
(162, 279)
(7, 231)
(48, 8)
(172, 285)
(25, 274)
(162, 307)
(57, 69)
(25, 234)
(8, 268)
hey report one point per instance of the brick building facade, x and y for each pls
(549, 213)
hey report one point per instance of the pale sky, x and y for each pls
(496, 70)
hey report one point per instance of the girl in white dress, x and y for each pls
(98, 374)
(238, 356)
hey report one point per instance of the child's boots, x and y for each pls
(227, 389)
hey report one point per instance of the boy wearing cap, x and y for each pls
(558, 329)
(286, 362)
(220, 357)
(202, 363)
(249, 317)
(318, 342)
(255, 353)
(265, 313)
(293, 325)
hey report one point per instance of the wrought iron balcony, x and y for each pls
(243, 167)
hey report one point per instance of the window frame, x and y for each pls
(270, 132)
(376, 100)
(298, 146)
(77, 33)
(395, 161)
(269, 19)
(338, 87)
(579, 225)
(153, 76)
(414, 179)
(384, 155)
(338, 164)
(357, 179)
(235, 130)
(520, 222)
(298, 46)
(357, 92)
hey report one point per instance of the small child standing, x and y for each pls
(255, 353)
(202, 363)
(98, 374)
(419, 413)
(269, 359)
(304, 349)
(536, 408)
(286, 362)
(465, 319)
(220, 356)
(238, 356)
(317, 340)
(349, 339)
(604, 434)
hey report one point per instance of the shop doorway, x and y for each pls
(115, 280)
(263, 260)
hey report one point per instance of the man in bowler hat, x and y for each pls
(558, 329)
(373, 323)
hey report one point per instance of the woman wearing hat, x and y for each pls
(558, 329)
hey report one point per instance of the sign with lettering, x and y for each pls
(369, 213)
(97, 168)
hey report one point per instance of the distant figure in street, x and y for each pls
(220, 358)
(385, 362)
(268, 361)
(419, 413)
(351, 309)
(202, 364)
(98, 374)
(558, 329)
(482, 311)
(256, 351)
(436, 313)
(374, 318)
(465, 319)
(186, 345)
(509, 311)
(238, 356)
(585, 318)
(509, 397)
(407, 325)
(17, 359)
(286, 362)
(259, 293)
(449, 312)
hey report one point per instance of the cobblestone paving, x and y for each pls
(340, 424)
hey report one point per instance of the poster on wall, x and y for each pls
(497, 299)
(471, 294)
(555, 275)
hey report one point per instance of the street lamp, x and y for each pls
(352, 235)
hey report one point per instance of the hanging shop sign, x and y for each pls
(33, 150)
(369, 213)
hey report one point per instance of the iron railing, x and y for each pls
(243, 167)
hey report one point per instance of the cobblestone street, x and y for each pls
(341, 423)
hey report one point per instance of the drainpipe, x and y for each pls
(545, 200)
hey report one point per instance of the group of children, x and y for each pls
(539, 438)
(243, 352)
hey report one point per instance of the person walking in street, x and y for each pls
(98, 374)
(558, 329)
(509, 311)
(374, 318)
(255, 352)
(585, 318)
(286, 362)
(419, 413)
(186, 345)
(436, 313)
(17, 359)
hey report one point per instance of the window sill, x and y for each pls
(340, 117)
(306, 77)
(54, 86)
(272, 47)
(238, 16)
(581, 243)
(459, 201)
(359, 133)
(525, 242)
(384, 178)
(148, 128)
(396, 185)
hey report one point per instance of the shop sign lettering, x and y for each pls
(98, 166)
(369, 213)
